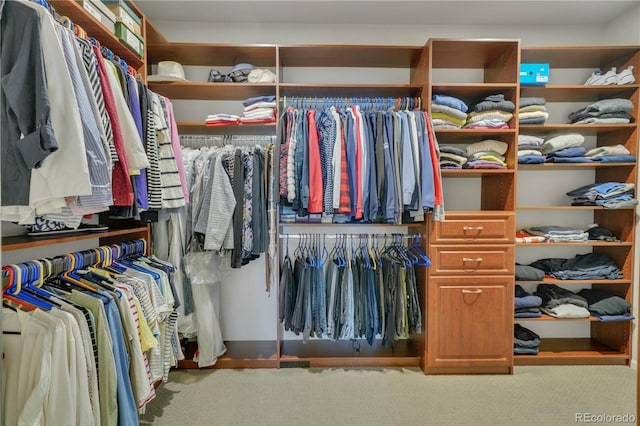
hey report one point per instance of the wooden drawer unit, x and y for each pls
(470, 326)
(472, 260)
(471, 227)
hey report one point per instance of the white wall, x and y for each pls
(415, 35)
(625, 29)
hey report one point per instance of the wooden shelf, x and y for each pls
(572, 166)
(571, 208)
(25, 242)
(475, 90)
(240, 354)
(344, 224)
(369, 90)
(475, 172)
(576, 351)
(463, 135)
(349, 56)
(212, 91)
(591, 57)
(546, 317)
(554, 281)
(584, 129)
(94, 28)
(209, 54)
(199, 128)
(328, 353)
(590, 243)
(577, 93)
(461, 53)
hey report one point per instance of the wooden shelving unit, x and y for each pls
(217, 91)
(609, 342)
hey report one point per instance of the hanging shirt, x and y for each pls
(315, 166)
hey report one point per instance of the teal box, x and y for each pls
(534, 74)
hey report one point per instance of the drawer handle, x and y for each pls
(477, 291)
(472, 228)
(472, 259)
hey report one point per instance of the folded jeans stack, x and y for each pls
(590, 266)
(560, 234)
(532, 111)
(448, 112)
(606, 111)
(525, 341)
(607, 306)
(526, 305)
(491, 112)
(610, 195)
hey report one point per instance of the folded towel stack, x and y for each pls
(491, 112)
(448, 112)
(606, 111)
(532, 111)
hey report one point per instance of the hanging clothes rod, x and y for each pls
(350, 235)
(401, 102)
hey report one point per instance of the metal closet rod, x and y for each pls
(348, 234)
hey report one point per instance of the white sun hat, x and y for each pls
(168, 71)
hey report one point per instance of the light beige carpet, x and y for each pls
(532, 396)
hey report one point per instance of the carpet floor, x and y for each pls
(532, 395)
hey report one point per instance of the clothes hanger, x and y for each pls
(14, 289)
(9, 274)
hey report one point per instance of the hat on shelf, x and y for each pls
(168, 71)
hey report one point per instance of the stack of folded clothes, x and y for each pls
(606, 111)
(448, 112)
(260, 109)
(486, 154)
(532, 111)
(610, 195)
(607, 306)
(216, 120)
(526, 305)
(491, 112)
(559, 234)
(590, 266)
(452, 157)
(530, 149)
(522, 236)
(528, 273)
(610, 154)
(565, 149)
(525, 341)
(561, 303)
(598, 233)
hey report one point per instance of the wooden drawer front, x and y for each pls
(470, 321)
(495, 229)
(472, 260)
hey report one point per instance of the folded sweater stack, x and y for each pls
(448, 112)
(486, 154)
(530, 149)
(565, 148)
(491, 112)
(606, 306)
(532, 111)
(606, 111)
(559, 234)
(452, 157)
(259, 109)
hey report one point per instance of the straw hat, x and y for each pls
(168, 71)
